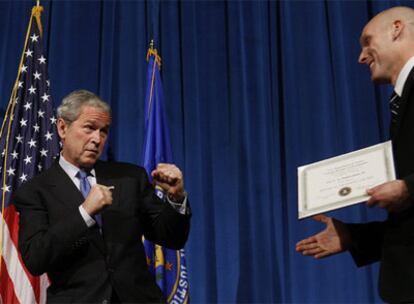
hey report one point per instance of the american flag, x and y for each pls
(28, 145)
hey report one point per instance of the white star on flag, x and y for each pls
(29, 53)
(19, 138)
(43, 152)
(11, 171)
(32, 89)
(15, 154)
(5, 188)
(23, 123)
(27, 106)
(32, 143)
(42, 59)
(28, 160)
(37, 75)
(34, 37)
(23, 177)
(45, 97)
(48, 135)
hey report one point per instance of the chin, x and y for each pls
(87, 163)
(379, 79)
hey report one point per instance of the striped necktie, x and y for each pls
(395, 105)
(85, 187)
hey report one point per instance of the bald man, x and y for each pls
(387, 43)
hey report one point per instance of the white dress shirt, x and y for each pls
(402, 77)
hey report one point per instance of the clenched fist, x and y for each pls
(98, 198)
(170, 179)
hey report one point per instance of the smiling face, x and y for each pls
(377, 52)
(84, 139)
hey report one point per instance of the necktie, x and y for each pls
(85, 187)
(395, 105)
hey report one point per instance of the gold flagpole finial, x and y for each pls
(37, 12)
(153, 51)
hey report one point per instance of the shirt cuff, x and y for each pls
(86, 217)
(179, 207)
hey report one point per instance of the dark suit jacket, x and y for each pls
(82, 264)
(392, 241)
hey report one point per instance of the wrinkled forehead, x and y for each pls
(89, 113)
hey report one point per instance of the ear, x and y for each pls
(397, 28)
(62, 127)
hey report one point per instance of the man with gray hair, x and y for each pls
(387, 43)
(82, 220)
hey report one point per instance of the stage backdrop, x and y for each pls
(253, 89)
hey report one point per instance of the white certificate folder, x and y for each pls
(343, 180)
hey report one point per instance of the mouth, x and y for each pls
(95, 152)
(371, 64)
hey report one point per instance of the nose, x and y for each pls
(362, 57)
(96, 137)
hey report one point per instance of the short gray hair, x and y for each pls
(72, 104)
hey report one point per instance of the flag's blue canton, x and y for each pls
(167, 265)
(33, 141)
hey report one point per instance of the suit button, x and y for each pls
(111, 270)
(105, 302)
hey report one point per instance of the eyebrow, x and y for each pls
(364, 39)
(94, 122)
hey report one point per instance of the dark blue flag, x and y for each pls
(28, 145)
(167, 265)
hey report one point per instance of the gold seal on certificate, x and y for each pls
(345, 191)
(343, 180)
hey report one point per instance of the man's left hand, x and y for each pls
(170, 179)
(392, 196)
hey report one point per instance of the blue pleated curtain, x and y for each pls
(253, 89)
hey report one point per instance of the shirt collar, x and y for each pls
(402, 77)
(70, 169)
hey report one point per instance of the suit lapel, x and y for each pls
(68, 194)
(103, 178)
(106, 178)
(63, 187)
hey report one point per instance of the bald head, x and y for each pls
(396, 16)
(387, 43)
(402, 13)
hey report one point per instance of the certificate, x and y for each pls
(343, 180)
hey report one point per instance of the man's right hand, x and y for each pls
(99, 197)
(333, 239)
